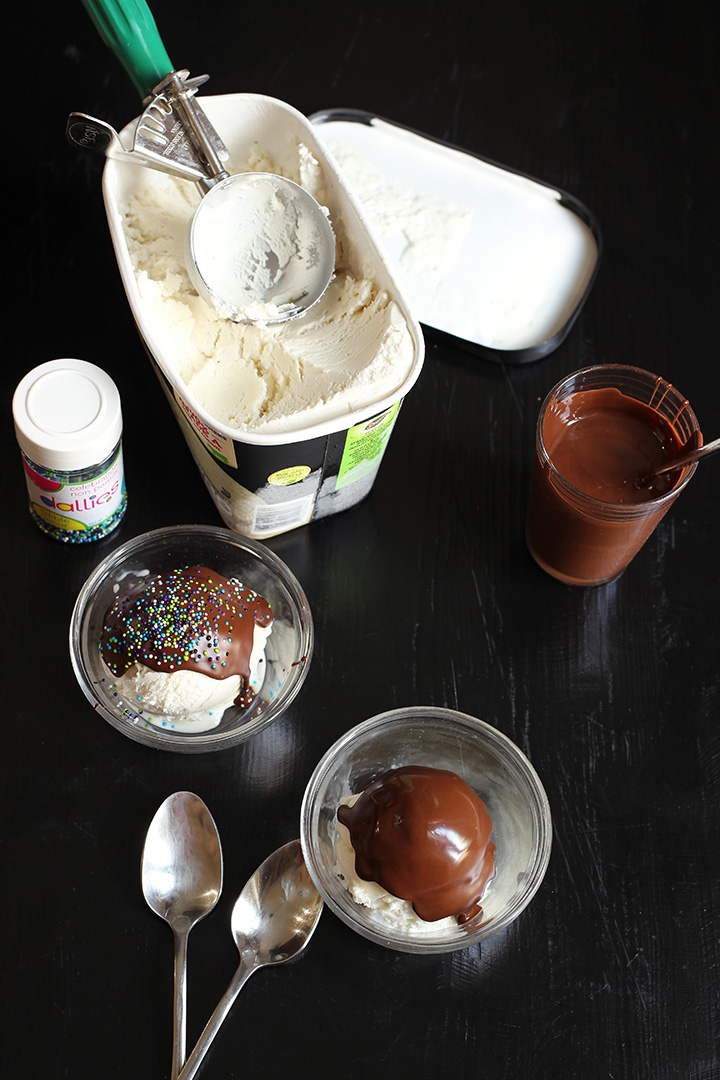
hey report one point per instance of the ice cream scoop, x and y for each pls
(260, 248)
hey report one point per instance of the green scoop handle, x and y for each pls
(128, 28)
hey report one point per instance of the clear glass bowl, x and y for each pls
(289, 646)
(488, 761)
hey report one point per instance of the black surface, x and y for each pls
(424, 594)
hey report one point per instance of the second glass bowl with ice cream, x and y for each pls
(418, 750)
(191, 638)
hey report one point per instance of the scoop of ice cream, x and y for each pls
(185, 645)
(423, 835)
(352, 349)
(393, 912)
(184, 699)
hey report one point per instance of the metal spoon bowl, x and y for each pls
(272, 921)
(182, 873)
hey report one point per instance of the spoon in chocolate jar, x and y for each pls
(273, 919)
(182, 871)
(679, 462)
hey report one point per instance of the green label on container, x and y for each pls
(365, 445)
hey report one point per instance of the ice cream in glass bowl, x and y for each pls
(191, 638)
(426, 830)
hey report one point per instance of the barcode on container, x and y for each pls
(276, 517)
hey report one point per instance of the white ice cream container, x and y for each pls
(266, 482)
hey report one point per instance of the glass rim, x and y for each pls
(628, 509)
(214, 739)
(499, 745)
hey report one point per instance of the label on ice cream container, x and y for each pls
(365, 446)
(262, 491)
(279, 517)
(287, 477)
(219, 445)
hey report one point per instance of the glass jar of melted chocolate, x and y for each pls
(600, 432)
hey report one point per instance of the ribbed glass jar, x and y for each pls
(577, 537)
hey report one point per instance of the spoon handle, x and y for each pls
(180, 996)
(686, 459)
(212, 1027)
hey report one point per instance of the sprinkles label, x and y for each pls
(73, 506)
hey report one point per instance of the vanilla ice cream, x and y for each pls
(183, 647)
(287, 423)
(351, 349)
(423, 234)
(260, 248)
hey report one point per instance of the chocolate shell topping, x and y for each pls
(424, 836)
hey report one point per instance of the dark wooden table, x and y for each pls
(424, 594)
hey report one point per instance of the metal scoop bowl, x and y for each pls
(259, 247)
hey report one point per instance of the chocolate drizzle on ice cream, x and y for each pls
(166, 638)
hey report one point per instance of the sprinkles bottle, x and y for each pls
(68, 425)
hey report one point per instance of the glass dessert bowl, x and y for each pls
(496, 770)
(288, 649)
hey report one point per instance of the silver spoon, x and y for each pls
(182, 873)
(682, 459)
(272, 921)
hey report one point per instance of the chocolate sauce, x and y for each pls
(588, 514)
(192, 619)
(424, 836)
(602, 441)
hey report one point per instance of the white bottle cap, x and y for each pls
(67, 415)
